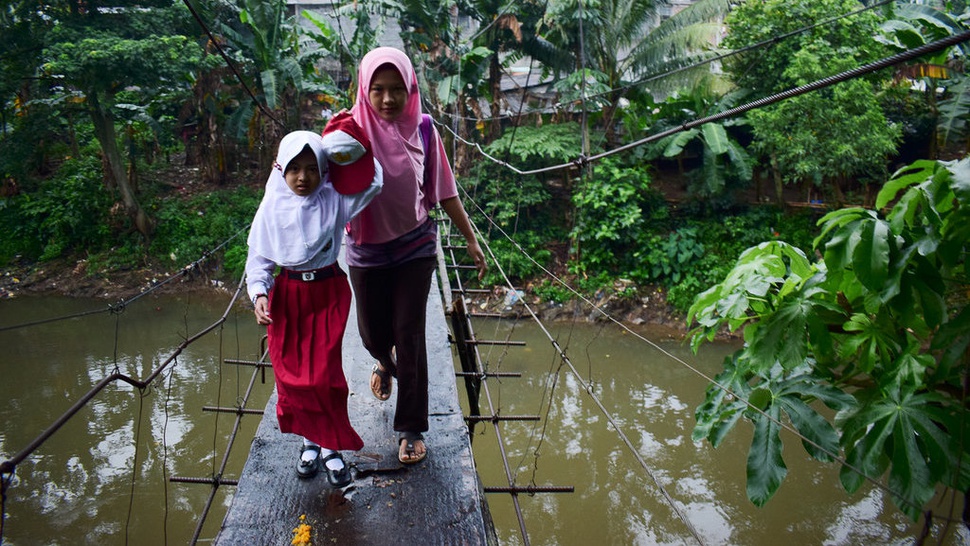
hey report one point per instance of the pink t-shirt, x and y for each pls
(405, 201)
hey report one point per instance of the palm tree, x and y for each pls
(620, 41)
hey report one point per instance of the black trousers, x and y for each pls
(391, 314)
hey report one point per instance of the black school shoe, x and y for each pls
(337, 478)
(308, 469)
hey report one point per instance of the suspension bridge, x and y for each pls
(440, 500)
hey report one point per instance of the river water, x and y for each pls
(103, 478)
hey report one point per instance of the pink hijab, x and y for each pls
(403, 204)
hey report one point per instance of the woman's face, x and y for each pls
(302, 173)
(388, 94)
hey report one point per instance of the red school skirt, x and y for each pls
(305, 348)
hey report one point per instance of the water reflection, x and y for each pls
(103, 478)
(651, 395)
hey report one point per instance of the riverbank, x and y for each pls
(648, 311)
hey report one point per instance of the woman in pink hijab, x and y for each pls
(391, 247)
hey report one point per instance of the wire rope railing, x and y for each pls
(492, 411)
(9, 466)
(590, 392)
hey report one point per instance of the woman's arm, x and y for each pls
(456, 211)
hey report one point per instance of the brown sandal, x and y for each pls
(383, 392)
(409, 455)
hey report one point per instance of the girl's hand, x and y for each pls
(262, 311)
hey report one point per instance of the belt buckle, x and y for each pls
(308, 276)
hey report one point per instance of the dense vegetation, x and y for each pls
(101, 100)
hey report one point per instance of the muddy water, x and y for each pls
(678, 491)
(103, 477)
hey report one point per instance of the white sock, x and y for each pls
(308, 455)
(332, 464)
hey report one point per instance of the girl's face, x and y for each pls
(302, 173)
(388, 95)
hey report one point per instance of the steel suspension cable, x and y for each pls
(835, 457)
(589, 391)
(493, 411)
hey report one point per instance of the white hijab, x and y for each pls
(289, 229)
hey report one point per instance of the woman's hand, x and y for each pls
(456, 211)
(475, 251)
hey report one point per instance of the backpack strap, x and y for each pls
(424, 128)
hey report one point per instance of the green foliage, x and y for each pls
(521, 203)
(67, 213)
(514, 203)
(189, 229)
(767, 70)
(667, 258)
(473, 65)
(823, 136)
(724, 237)
(880, 322)
(693, 281)
(954, 110)
(513, 257)
(280, 56)
(612, 26)
(913, 25)
(839, 131)
(610, 216)
(551, 291)
(127, 253)
(724, 163)
(538, 146)
(330, 40)
(584, 83)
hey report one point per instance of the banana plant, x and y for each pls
(723, 157)
(280, 58)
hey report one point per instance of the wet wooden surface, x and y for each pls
(438, 501)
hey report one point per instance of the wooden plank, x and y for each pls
(439, 501)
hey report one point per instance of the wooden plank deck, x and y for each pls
(439, 501)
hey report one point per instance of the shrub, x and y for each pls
(189, 229)
(68, 212)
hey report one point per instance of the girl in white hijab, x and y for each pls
(299, 228)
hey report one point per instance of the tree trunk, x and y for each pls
(495, 82)
(837, 191)
(104, 130)
(609, 113)
(758, 185)
(779, 183)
